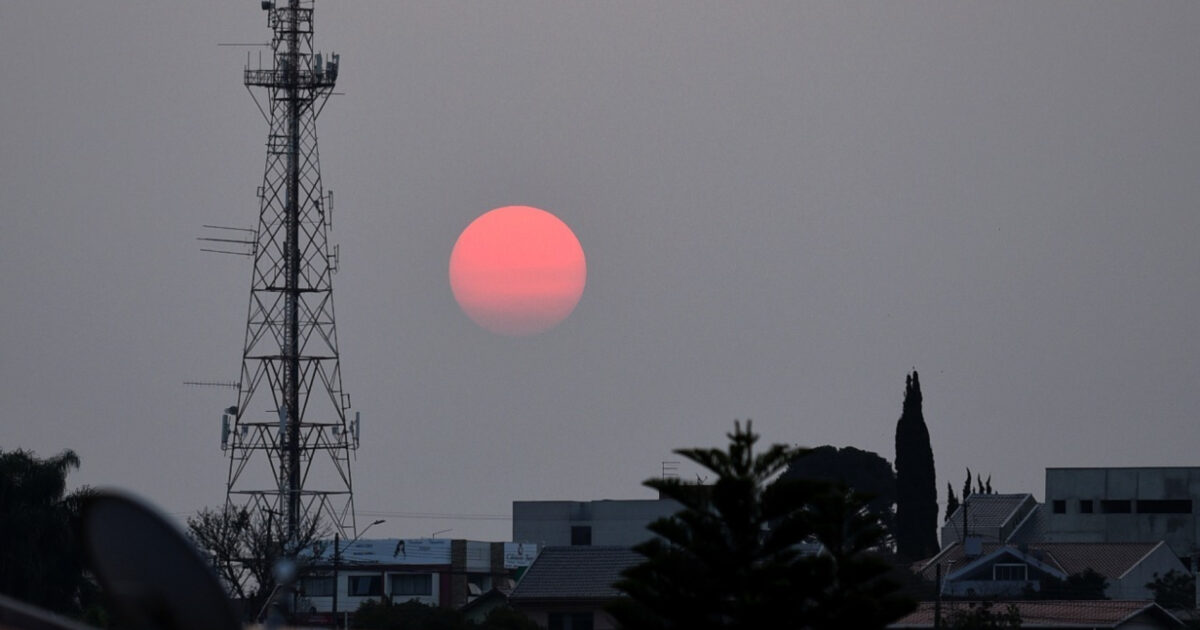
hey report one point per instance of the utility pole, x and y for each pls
(336, 556)
(937, 602)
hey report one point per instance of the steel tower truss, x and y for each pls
(291, 437)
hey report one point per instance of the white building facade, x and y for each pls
(1124, 505)
(436, 572)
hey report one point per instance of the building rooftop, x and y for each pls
(1031, 528)
(574, 573)
(1123, 468)
(1053, 613)
(1110, 560)
(990, 510)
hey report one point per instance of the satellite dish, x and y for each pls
(153, 576)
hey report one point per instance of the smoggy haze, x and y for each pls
(785, 207)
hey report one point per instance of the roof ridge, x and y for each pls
(937, 556)
(1037, 507)
(1139, 560)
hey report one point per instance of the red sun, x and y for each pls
(517, 270)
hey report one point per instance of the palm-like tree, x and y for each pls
(41, 556)
(752, 552)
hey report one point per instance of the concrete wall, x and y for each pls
(621, 523)
(479, 556)
(1132, 585)
(1072, 485)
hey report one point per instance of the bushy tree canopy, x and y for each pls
(1174, 590)
(41, 552)
(1087, 584)
(982, 616)
(750, 552)
(413, 615)
(863, 471)
(245, 550)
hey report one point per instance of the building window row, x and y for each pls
(1127, 506)
(1010, 572)
(412, 584)
(317, 586)
(365, 586)
(403, 585)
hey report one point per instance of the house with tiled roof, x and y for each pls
(989, 517)
(1052, 615)
(1006, 570)
(567, 588)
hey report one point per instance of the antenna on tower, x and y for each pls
(245, 246)
(228, 384)
(670, 470)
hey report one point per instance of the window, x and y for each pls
(1113, 506)
(1165, 506)
(570, 621)
(1009, 572)
(1085, 506)
(412, 584)
(365, 586)
(1060, 506)
(581, 535)
(317, 586)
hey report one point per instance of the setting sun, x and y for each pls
(517, 270)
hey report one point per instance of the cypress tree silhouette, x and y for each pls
(916, 483)
(951, 501)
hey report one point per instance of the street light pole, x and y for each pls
(337, 550)
(336, 543)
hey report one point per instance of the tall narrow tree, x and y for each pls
(916, 483)
(951, 502)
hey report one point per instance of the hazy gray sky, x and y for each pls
(785, 207)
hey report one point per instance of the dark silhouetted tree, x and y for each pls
(981, 617)
(967, 486)
(916, 483)
(1174, 590)
(741, 552)
(862, 471)
(244, 550)
(951, 501)
(41, 550)
(505, 618)
(1087, 584)
(413, 615)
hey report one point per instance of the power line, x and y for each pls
(439, 515)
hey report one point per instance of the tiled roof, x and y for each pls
(990, 510)
(1111, 560)
(1051, 613)
(575, 573)
(1030, 529)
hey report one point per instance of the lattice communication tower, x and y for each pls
(291, 435)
